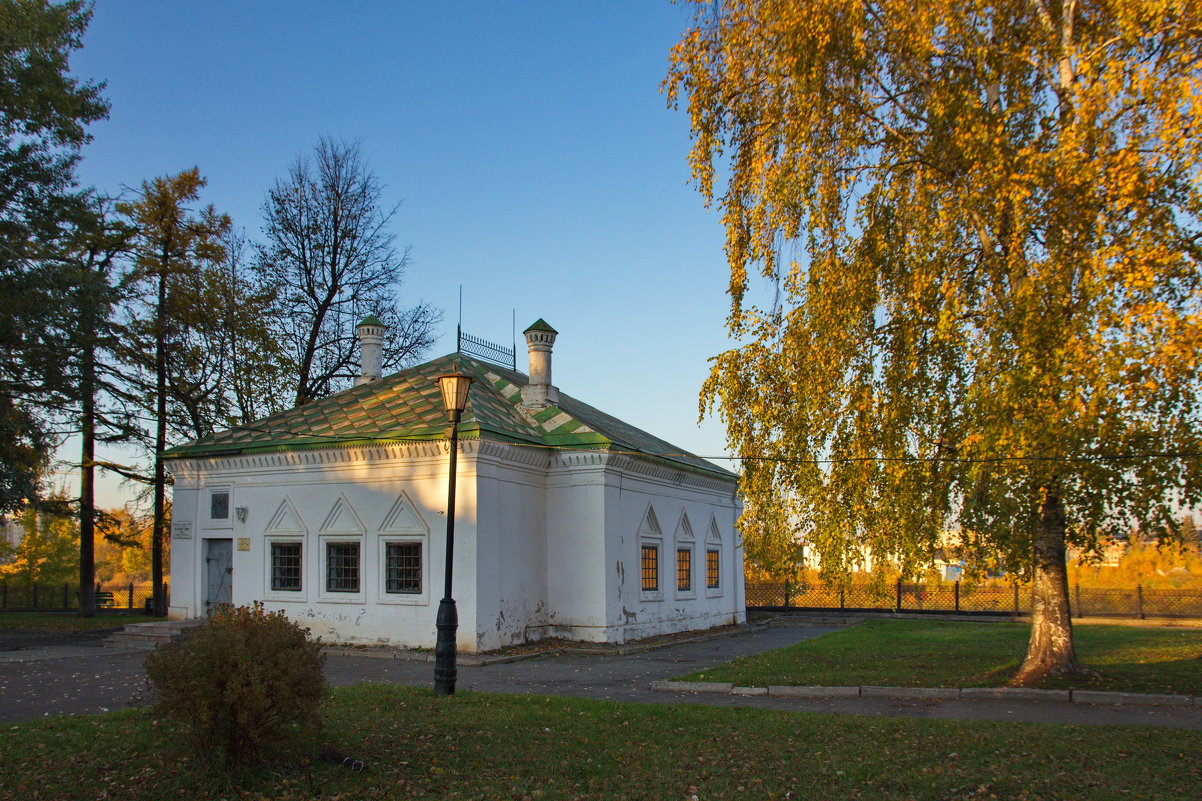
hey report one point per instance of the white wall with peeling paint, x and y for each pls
(547, 543)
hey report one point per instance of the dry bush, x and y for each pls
(244, 683)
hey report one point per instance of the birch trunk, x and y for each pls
(1050, 651)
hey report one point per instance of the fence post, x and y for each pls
(35, 595)
(956, 593)
(1077, 600)
(66, 601)
(897, 606)
(1139, 599)
(1016, 598)
(786, 593)
(131, 596)
(841, 605)
(4, 594)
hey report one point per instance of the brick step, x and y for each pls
(148, 636)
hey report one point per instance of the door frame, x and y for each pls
(209, 605)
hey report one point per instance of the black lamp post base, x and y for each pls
(444, 648)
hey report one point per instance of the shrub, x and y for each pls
(241, 683)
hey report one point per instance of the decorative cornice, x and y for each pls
(576, 459)
(190, 467)
(529, 457)
(671, 474)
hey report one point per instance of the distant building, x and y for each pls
(11, 533)
(1110, 552)
(569, 522)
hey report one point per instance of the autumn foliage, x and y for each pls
(965, 275)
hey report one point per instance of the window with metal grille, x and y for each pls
(650, 565)
(403, 568)
(219, 506)
(285, 566)
(342, 567)
(684, 569)
(711, 569)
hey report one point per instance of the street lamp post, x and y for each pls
(454, 388)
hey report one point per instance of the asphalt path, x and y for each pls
(57, 675)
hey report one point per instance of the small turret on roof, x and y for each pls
(371, 349)
(407, 406)
(371, 319)
(540, 392)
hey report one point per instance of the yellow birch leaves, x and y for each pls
(995, 209)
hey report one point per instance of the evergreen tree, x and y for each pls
(173, 245)
(98, 400)
(43, 114)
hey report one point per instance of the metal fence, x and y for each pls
(962, 598)
(21, 596)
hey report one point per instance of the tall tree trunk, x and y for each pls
(87, 471)
(1050, 651)
(160, 444)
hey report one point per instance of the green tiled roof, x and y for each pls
(370, 319)
(407, 406)
(541, 325)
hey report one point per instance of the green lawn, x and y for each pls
(66, 621)
(921, 653)
(513, 747)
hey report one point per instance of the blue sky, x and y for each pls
(534, 156)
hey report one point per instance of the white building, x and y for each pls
(568, 522)
(12, 531)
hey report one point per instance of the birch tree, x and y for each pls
(978, 223)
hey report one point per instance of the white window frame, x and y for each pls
(650, 535)
(323, 592)
(714, 592)
(684, 540)
(691, 593)
(271, 594)
(382, 594)
(206, 510)
(714, 542)
(658, 594)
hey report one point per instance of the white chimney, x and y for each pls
(371, 349)
(540, 337)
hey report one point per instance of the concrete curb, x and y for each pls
(1015, 694)
(814, 692)
(722, 687)
(910, 692)
(936, 693)
(1149, 699)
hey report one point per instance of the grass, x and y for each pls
(66, 621)
(482, 746)
(921, 653)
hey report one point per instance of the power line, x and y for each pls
(1102, 457)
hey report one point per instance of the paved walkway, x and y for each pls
(81, 677)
